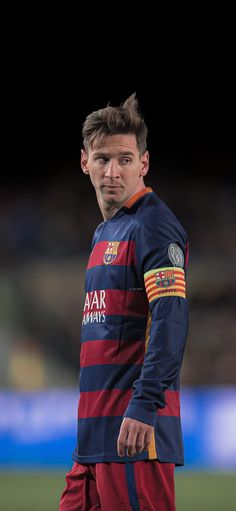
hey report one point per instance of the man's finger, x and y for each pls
(131, 442)
(121, 441)
(140, 442)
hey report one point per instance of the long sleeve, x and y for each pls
(162, 258)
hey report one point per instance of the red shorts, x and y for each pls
(138, 486)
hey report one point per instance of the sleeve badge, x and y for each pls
(176, 255)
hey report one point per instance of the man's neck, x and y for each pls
(108, 210)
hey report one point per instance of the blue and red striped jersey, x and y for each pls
(134, 328)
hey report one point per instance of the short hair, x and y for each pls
(114, 120)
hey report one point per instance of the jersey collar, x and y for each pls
(137, 196)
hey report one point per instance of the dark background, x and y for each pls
(49, 210)
(188, 104)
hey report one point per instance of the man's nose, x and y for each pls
(112, 169)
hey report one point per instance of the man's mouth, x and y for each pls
(111, 187)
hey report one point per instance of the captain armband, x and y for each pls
(165, 282)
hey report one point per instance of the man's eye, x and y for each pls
(102, 159)
(125, 161)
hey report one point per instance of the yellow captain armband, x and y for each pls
(164, 282)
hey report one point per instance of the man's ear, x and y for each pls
(145, 163)
(84, 161)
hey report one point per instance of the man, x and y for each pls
(133, 330)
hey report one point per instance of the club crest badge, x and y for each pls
(176, 255)
(111, 252)
(165, 278)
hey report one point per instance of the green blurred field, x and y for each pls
(40, 491)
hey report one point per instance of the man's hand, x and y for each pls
(134, 437)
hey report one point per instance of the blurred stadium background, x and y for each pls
(48, 215)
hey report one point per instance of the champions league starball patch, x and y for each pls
(176, 255)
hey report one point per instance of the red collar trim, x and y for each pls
(137, 196)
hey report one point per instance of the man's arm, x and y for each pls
(161, 366)
(165, 342)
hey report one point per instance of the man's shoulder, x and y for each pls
(154, 208)
(153, 216)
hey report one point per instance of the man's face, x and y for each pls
(116, 168)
